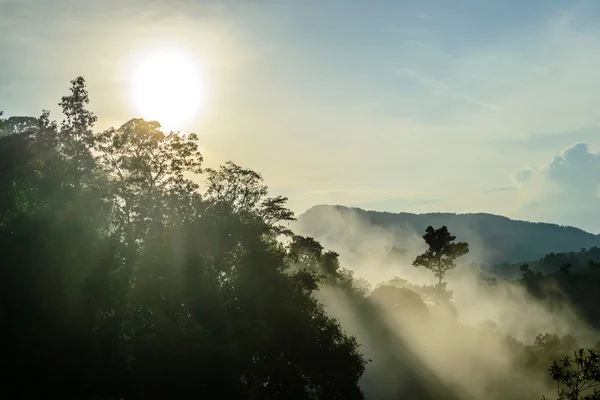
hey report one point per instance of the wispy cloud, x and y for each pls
(442, 88)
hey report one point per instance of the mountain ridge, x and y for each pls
(494, 239)
(317, 206)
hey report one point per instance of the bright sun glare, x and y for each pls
(167, 87)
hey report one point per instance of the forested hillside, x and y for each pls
(573, 261)
(494, 239)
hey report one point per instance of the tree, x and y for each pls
(566, 268)
(577, 377)
(147, 288)
(17, 125)
(242, 191)
(442, 252)
(77, 136)
(146, 171)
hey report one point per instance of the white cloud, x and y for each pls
(565, 190)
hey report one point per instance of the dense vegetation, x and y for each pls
(123, 280)
(582, 261)
(580, 290)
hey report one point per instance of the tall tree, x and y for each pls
(146, 171)
(77, 136)
(145, 287)
(242, 191)
(442, 253)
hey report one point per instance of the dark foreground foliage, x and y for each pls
(121, 280)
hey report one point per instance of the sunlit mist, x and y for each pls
(168, 87)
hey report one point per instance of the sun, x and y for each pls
(167, 87)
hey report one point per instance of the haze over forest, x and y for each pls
(298, 200)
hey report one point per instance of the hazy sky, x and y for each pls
(463, 106)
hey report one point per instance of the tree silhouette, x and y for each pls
(242, 191)
(577, 377)
(439, 258)
(121, 279)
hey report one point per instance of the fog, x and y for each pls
(468, 354)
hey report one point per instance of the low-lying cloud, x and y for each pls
(460, 358)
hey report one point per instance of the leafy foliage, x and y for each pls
(565, 288)
(122, 280)
(242, 192)
(442, 252)
(578, 377)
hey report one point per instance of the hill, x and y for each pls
(583, 261)
(493, 239)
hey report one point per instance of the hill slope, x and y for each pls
(493, 239)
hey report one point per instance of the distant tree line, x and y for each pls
(582, 261)
(571, 279)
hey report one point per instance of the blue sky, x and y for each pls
(462, 106)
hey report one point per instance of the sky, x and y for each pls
(416, 106)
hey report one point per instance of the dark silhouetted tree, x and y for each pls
(577, 377)
(442, 253)
(242, 191)
(566, 268)
(121, 280)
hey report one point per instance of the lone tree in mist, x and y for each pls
(442, 252)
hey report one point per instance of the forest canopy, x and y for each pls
(121, 279)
